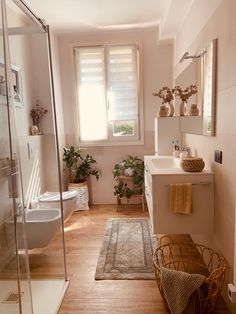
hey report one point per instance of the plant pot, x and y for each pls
(82, 195)
(129, 172)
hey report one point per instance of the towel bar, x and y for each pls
(200, 183)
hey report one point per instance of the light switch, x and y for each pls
(218, 156)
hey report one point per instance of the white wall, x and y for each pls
(221, 25)
(42, 92)
(156, 61)
(58, 95)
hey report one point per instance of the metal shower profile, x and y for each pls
(186, 55)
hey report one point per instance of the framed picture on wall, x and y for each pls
(16, 82)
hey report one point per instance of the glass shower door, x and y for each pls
(15, 290)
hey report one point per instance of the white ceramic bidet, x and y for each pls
(41, 225)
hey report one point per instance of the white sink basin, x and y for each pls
(167, 162)
(166, 165)
(163, 165)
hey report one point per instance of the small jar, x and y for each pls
(163, 112)
(194, 111)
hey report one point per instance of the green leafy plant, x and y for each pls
(135, 165)
(79, 164)
(122, 190)
(125, 129)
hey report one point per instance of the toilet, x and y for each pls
(52, 200)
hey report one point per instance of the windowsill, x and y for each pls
(94, 144)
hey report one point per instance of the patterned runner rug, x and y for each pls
(127, 250)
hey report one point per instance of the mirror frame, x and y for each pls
(209, 98)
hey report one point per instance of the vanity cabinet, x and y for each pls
(157, 193)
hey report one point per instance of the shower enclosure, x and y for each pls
(32, 280)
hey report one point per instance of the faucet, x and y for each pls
(184, 151)
(175, 148)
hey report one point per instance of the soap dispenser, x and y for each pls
(175, 148)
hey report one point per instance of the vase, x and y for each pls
(171, 109)
(163, 112)
(34, 130)
(183, 108)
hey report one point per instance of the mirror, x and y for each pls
(192, 74)
(202, 73)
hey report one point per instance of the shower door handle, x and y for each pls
(13, 185)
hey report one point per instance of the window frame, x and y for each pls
(138, 138)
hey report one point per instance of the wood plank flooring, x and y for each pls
(84, 236)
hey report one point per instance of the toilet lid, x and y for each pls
(55, 196)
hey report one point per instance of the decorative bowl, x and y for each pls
(192, 164)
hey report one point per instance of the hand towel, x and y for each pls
(178, 286)
(181, 198)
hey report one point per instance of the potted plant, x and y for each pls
(80, 166)
(131, 167)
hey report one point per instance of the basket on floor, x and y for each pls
(194, 259)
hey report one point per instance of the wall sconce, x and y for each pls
(186, 55)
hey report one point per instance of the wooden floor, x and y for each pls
(84, 236)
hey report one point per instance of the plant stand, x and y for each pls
(123, 179)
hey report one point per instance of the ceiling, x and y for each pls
(91, 15)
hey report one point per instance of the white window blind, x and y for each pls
(107, 92)
(91, 93)
(122, 82)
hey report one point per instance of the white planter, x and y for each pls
(129, 172)
(82, 195)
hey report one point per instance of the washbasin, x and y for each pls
(166, 162)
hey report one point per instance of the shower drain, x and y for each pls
(12, 297)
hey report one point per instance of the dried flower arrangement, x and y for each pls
(185, 94)
(37, 114)
(165, 93)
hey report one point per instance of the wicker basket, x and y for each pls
(192, 164)
(193, 258)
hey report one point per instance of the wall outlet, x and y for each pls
(218, 156)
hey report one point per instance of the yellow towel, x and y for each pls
(181, 198)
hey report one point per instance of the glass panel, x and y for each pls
(37, 222)
(10, 191)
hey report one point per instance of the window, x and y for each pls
(107, 83)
